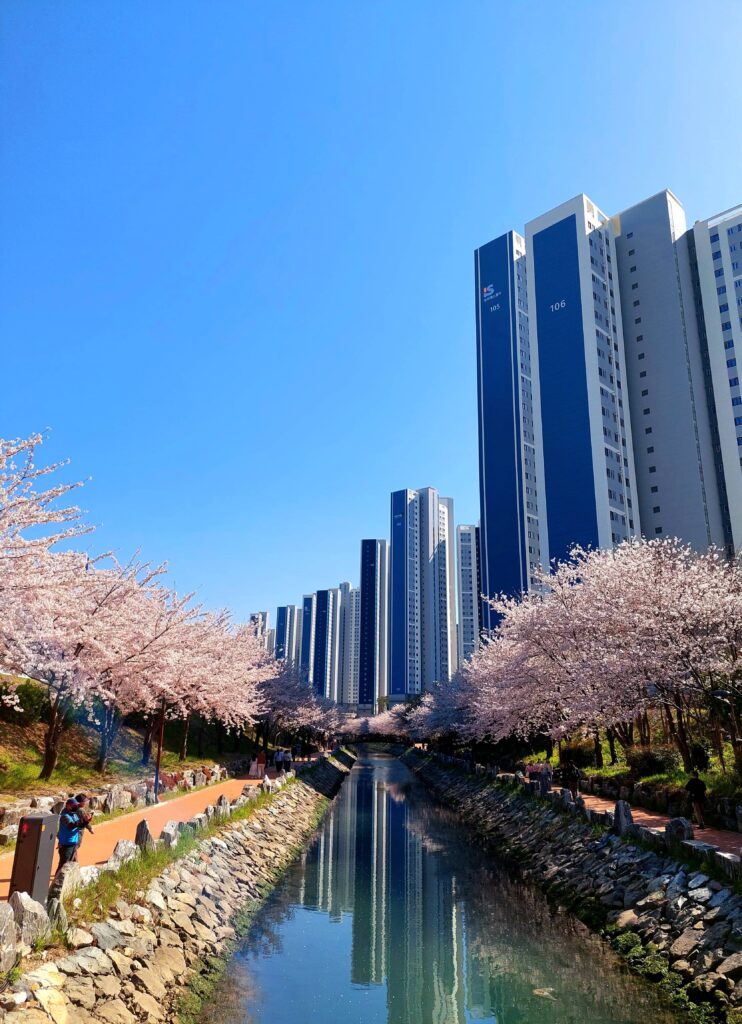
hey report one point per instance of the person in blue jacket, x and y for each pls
(70, 830)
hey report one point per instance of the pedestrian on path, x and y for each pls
(70, 828)
(85, 815)
(279, 759)
(287, 760)
(261, 764)
(571, 776)
(696, 788)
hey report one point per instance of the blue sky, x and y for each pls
(236, 247)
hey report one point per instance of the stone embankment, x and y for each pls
(675, 923)
(108, 799)
(141, 962)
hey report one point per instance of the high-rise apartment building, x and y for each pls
(373, 625)
(287, 618)
(422, 608)
(718, 249)
(677, 480)
(306, 650)
(259, 621)
(350, 608)
(468, 589)
(589, 484)
(512, 545)
(326, 673)
(607, 383)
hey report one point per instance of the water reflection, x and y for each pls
(394, 917)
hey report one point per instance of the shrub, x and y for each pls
(34, 704)
(645, 761)
(580, 752)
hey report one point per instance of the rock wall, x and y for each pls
(135, 965)
(675, 924)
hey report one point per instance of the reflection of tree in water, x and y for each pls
(263, 936)
(238, 997)
(517, 945)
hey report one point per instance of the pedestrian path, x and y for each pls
(728, 842)
(97, 848)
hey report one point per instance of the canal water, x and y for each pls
(394, 916)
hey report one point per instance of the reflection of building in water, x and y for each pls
(407, 926)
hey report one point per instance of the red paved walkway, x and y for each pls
(97, 848)
(728, 842)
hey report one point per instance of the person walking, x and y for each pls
(279, 760)
(696, 788)
(70, 828)
(261, 764)
(287, 760)
(85, 815)
(571, 776)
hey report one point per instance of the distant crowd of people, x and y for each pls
(282, 758)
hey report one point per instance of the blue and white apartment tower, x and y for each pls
(325, 677)
(306, 648)
(718, 243)
(512, 541)
(422, 608)
(588, 495)
(609, 397)
(373, 625)
(288, 622)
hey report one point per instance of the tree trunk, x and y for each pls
(598, 749)
(681, 734)
(149, 735)
(184, 739)
(219, 738)
(100, 764)
(200, 738)
(51, 756)
(611, 736)
(53, 738)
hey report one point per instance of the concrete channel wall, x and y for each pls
(676, 919)
(136, 965)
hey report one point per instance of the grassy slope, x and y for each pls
(21, 749)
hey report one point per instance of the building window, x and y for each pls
(656, 508)
(654, 489)
(650, 449)
(647, 412)
(658, 529)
